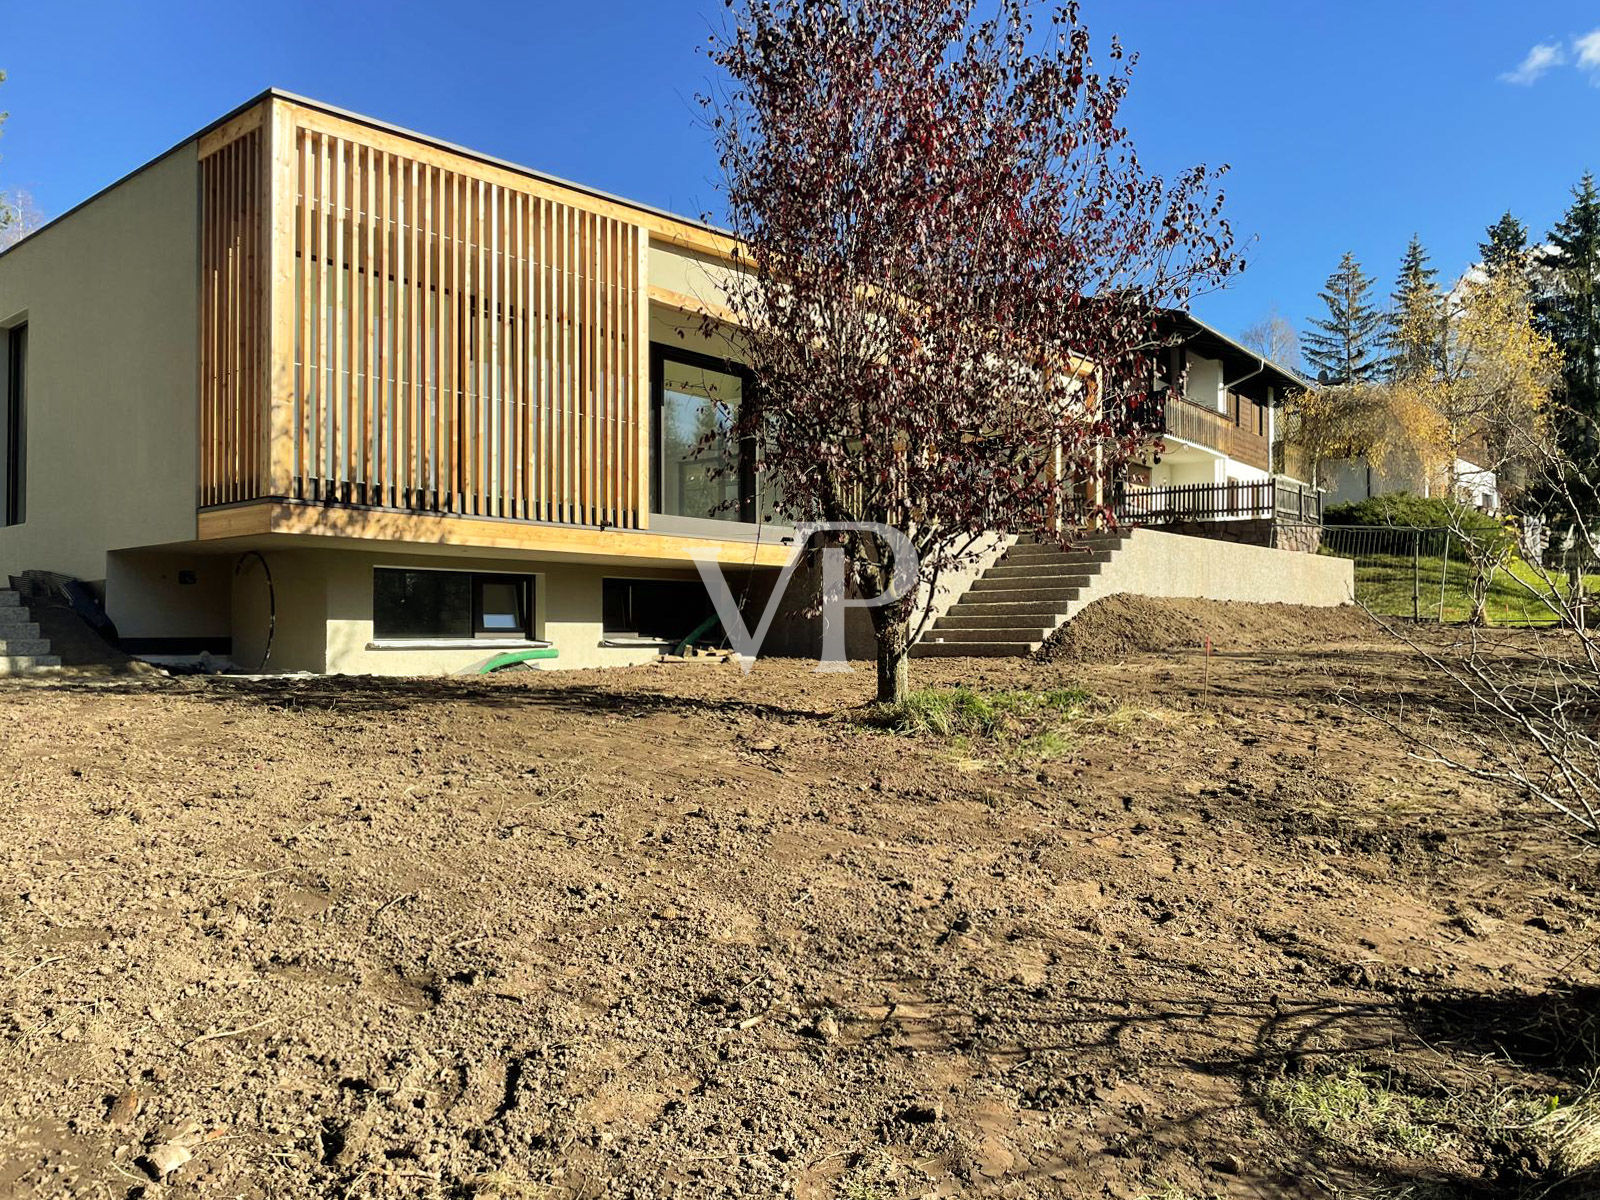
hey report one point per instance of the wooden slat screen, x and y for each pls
(461, 345)
(232, 343)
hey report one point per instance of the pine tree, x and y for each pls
(1507, 245)
(1348, 346)
(1570, 314)
(1418, 328)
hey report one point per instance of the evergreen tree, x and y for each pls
(1507, 245)
(1570, 314)
(1348, 346)
(1419, 317)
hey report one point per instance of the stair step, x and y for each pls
(19, 628)
(1078, 564)
(1000, 620)
(21, 664)
(10, 598)
(988, 615)
(23, 647)
(1013, 583)
(926, 649)
(1020, 632)
(955, 624)
(1033, 551)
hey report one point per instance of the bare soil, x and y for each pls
(680, 931)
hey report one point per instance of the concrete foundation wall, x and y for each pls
(1152, 563)
(324, 614)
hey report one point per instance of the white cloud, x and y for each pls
(1550, 54)
(1587, 48)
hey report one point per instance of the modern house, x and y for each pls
(317, 393)
(453, 403)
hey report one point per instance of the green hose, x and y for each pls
(512, 657)
(704, 626)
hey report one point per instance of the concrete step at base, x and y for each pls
(23, 647)
(1020, 632)
(22, 664)
(927, 649)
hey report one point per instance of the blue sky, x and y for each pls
(1348, 124)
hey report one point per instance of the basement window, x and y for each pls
(433, 606)
(663, 610)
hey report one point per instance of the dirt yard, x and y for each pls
(680, 932)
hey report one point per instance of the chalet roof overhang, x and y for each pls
(1251, 375)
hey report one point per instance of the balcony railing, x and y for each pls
(1233, 435)
(1270, 499)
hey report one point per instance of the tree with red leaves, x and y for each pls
(952, 263)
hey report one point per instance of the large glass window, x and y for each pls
(668, 609)
(13, 428)
(450, 604)
(696, 470)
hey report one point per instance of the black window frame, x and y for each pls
(13, 502)
(527, 589)
(525, 594)
(662, 353)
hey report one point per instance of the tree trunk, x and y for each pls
(893, 629)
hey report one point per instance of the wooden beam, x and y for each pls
(311, 521)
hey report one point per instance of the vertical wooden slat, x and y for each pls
(546, 364)
(458, 341)
(383, 477)
(639, 379)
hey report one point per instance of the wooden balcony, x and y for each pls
(390, 324)
(1239, 433)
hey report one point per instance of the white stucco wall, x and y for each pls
(110, 295)
(1205, 383)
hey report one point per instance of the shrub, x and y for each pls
(1406, 509)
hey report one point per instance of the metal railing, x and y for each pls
(1263, 500)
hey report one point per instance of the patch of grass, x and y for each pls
(1173, 1192)
(1573, 1133)
(965, 712)
(1019, 724)
(1354, 1108)
(1384, 584)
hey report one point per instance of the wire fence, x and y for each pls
(1437, 574)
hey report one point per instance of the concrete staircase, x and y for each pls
(1027, 595)
(21, 648)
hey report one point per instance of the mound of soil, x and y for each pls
(1123, 625)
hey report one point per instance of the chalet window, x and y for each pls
(664, 609)
(450, 605)
(13, 423)
(695, 398)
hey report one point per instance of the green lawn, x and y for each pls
(1384, 584)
